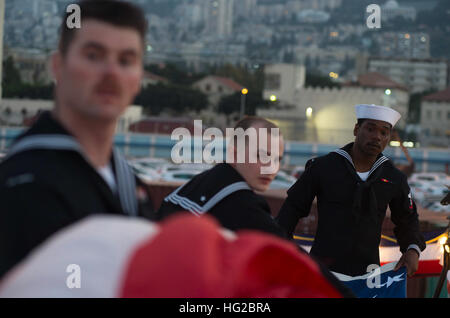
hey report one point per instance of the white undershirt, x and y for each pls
(363, 175)
(108, 175)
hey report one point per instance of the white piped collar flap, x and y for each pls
(347, 156)
(198, 210)
(126, 182)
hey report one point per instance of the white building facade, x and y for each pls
(435, 119)
(419, 75)
(15, 112)
(323, 115)
(219, 17)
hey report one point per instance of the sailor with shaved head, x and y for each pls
(227, 191)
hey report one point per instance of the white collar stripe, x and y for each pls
(197, 208)
(345, 155)
(192, 206)
(377, 163)
(183, 204)
(177, 200)
(59, 142)
(380, 161)
(125, 178)
(225, 192)
(120, 182)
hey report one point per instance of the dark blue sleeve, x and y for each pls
(405, 218)
(29, 214)
(300, 197)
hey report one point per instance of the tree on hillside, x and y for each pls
(175, 74)
(13, 87)
(232, 103)
(253, 81)
(174, 99)
(11, 76)
(316, 80)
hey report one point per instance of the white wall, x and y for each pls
(216, 91)
(333, 117)
(131, 115)
(16, 106)
(435, 123)
(418, 76)
(292, 78)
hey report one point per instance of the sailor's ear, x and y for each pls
(355, 129)
(231, 153)
(55, 64)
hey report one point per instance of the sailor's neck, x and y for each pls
(361, 161)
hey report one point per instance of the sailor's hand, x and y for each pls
(410, 259)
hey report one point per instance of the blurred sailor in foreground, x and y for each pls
(64, 167)
(183, 257)
(354, 186)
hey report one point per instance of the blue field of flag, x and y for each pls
(380, 283)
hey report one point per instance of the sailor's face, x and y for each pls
(260, 175)
(100, 75)
(372, 136)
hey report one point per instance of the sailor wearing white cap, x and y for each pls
(376, 112)
(354, 185)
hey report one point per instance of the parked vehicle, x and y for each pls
(428, 189)
(179, 175)
(438, 207)
(153, 163)
(437, 177)
(145, 174)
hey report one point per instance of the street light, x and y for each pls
(334, 75)
(273, 98)
(244, 92)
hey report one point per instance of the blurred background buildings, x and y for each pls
(304, 63)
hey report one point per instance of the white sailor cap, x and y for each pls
(376, 112)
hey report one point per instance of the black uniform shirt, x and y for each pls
(47, 185)
(351, 211)
(222, 193)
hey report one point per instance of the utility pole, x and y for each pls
(244, 93)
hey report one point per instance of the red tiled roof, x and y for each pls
(229, 83)
(377, 80)
(374, 79)
(155, 77)
(178, 120)
(441, 96)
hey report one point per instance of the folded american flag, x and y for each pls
(382, 282)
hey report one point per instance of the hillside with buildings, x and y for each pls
(191, 44)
